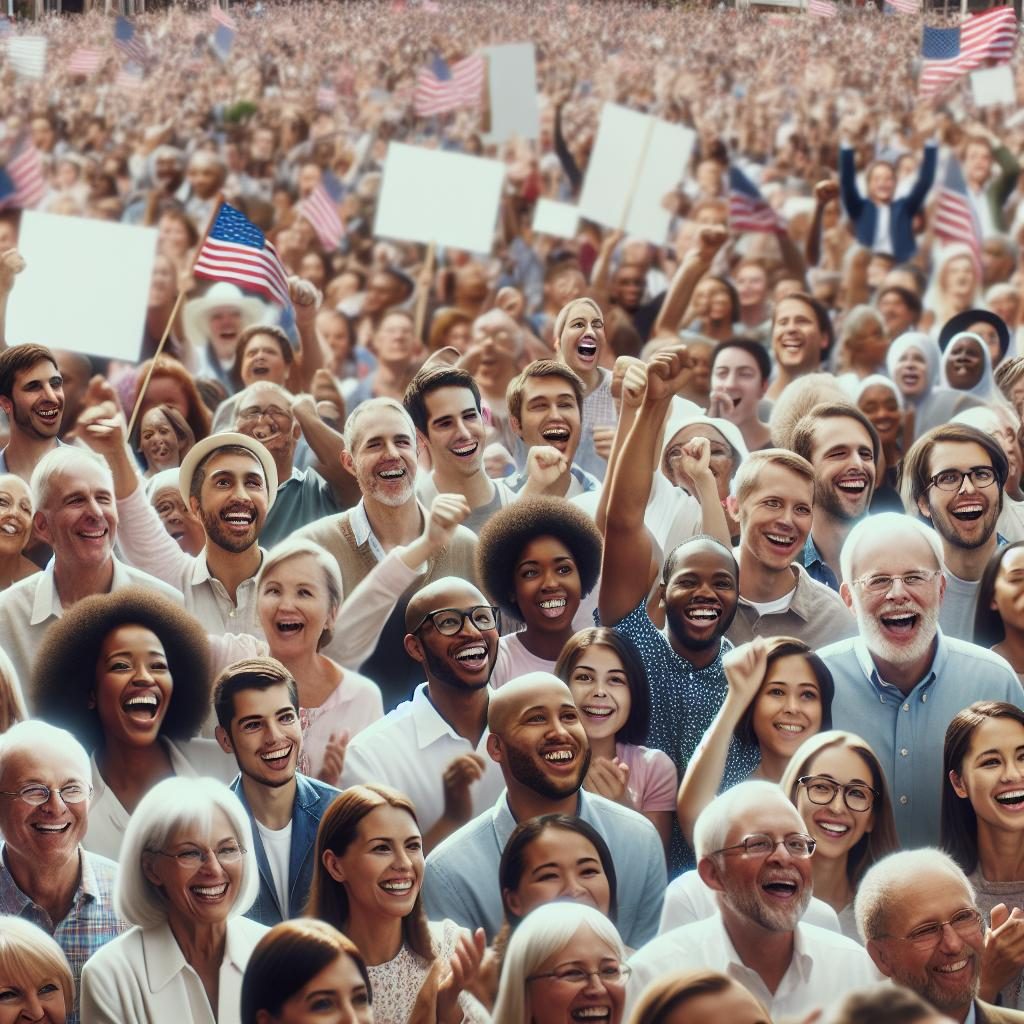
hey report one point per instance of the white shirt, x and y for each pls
(824, 967)
(277, 844)
(409, 749)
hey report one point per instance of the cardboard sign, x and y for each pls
(84, 287)
(637, 160)
(557, 219)
(993, 87)
(512, 92)
(428, 195)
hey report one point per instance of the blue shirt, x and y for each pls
(817, 569)
(907, 731)
(461, 876)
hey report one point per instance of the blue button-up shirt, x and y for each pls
(817, 569)
(907, 731)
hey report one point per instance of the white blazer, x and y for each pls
(142, 977)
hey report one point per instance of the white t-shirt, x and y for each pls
(776, 607)
(277, 846)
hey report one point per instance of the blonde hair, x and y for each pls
(747, 475)
(28, 955)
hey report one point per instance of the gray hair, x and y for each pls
(711, 829)
(353, 437)
(170, 805)
(33, 734)
(884, 524)
(857, 318)
(64, 459)
(244, 395)
(884, 879)
(542, 933)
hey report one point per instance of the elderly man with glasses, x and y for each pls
(754, 854)
(900, 681)
(45, 875)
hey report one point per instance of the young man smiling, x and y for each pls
(801, 339)
(32, 397)
(740, 371)
(257, 707)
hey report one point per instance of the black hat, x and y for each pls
(962, 322)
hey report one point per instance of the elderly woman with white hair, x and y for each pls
(564, 962)
(187, 875)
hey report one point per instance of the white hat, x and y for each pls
(228, 438)
(222, 294)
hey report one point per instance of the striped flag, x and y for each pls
(822, 8)
(223, 40)
(903, 6)
(440, 89)
(222, 17)
(320, 208)
(6, 28)
(128, 41)
(22, 183)
(953, 218)
(129, 78)
(236, 250)
(748, 209)
(950, 53)
(27, 55)
(85, 60)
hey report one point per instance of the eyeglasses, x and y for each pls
(881, 583)
(759, 845)
(253, 414)
(964, 922)
(953, 479)
(823, 791)
(192, 858)
(448, 621)
(610, 974)
(37, 794)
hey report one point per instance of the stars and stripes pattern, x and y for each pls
(223, 40)
(22, 182)
(235, 250)
(85, 60)
(320, 208)
(950, 53)
(27, 55)
(748, 209)
(822, 8)
(129, 79)
(953, 219)
(128, 41)
(903, 6)
(222, 17)
(440, 88)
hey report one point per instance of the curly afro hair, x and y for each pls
(65, 670)
(507, 532)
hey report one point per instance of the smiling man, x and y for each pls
(953, 476)
(901, 680)
(257, 707)
(801, 340)
(755, 855)
(32, 397)
(538, 741)
(45, 875)
(739, 379)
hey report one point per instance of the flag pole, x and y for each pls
(172, 318)
(421, 299)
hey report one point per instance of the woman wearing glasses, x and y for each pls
(836, 782)
(299, 593)
(186, 877)
(564, 964)
(983, 831)
(999, 616)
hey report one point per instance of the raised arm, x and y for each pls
(696, 264)
(306, 301)
(11, 264)
(824, 192)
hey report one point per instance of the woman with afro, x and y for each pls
(129, 674)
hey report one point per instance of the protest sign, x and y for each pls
(993, 87)
(512, 92)
(557, 219)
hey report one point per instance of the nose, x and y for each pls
(92, 506)
(951, 941)
(792, 703)
(837, 802)
(142, 674)
(32, 1009)
(347, 1013)
(594, 984)
(967, 484)
(573, 888)
(401, 858)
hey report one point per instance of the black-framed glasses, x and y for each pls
(760, 845)
(822, 790)
(953, 479)
(964, 922)
(37, 794)
(193, 857)
(573, 974)
(448, 621)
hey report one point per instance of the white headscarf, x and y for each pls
(986, 388)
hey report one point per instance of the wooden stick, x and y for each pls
(631, 195)
(421, 299)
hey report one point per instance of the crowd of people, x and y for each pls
(595, 628)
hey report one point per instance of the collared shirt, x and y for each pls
(360, 523)
(581, 482)
(459, 880)
(824, 966)
(816, 615)
(816, 566)
(906, 730)
(409, 749)
(29, 607)
(303, 498)
(89, 924)
(972, 1015)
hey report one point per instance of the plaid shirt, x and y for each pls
(90, 923)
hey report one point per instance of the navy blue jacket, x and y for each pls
(864, 213)
(312, 798)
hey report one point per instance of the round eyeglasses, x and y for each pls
(821, 790)
(953, 479)
(193, 857)
(37, 794)
(448, 621)
(760, 845)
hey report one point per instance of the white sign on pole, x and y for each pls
(85, 285)
(637, 160)
(557, 219)
(993, 87)
(512, 91)
(428, 195)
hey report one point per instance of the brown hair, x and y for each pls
(802, 438)
(18, 358)
(540, 368)
(665, 996)
(198, 416)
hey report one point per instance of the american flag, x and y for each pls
(22, 184)
(85, 60)
(320, 208)
(128, 42)
(6, 28)
(236, 250)
(950, 53)
(748, 210)
(822, 8)
(953, 218)
(222, 17)
(27, 55)
(129, 78)
(440, 88)
(903, 6)
(223, 40)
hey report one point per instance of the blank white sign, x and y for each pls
(557, 219)
(993, 87)
(84, 287)
(512, 91)
(428, 195)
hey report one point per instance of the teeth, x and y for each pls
(788, 727)
(1014, 797)
(899, 620)
(707, 614)
(391, 474)
(52, 828)
(9, 528)
(466, 450)
(210, 890)
(556, 434)
(559, 755)
(48, 414)
(399, 885)
(832, 829)
(776, 538)
(468, 653)
(851, 485)
(144, 700)
(277, 755)
(556, 602)
(953, 968)
(598, 712)
(591, 1013)
(93, 534)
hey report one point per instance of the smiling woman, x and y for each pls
(35, 977)
(128, 674)
(15, 530)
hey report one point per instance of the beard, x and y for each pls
(946, 527)
(441, 669)
(23, 419)
(216, 534)
(750, 904)
(944, 1000)
(525, 770)
(825, 498)
(678, 626)
(897, 654)
(371, 485)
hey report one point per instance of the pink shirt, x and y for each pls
(515, 660)
(652, 777)
(354, 704)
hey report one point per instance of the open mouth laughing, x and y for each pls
(397, 886)
(278, 758)
(968, 511)
(472, 656)
(703, 615)
(854, 485)
(900, 623)
(586, 348)
(559, 757)
(557, 436)
(591, 1013)
(239, 517)
(1011, 799)
(142, 707)
(552, 607)
(783, 543)
(209, 893)
(784, 888)
(464, 449)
